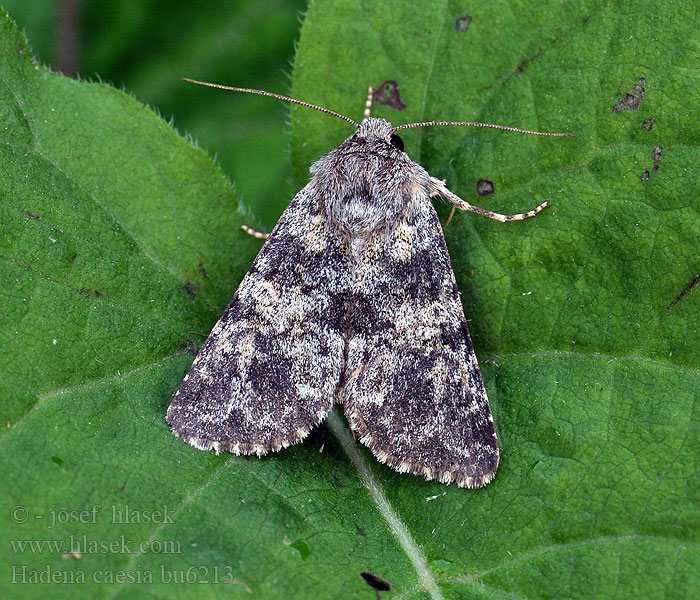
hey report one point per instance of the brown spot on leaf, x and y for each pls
(379, 584)
(632, 100)
(484, 187)
(191, 288)
(336, 480)
(388, 94)
(31, 215)
(88, 293)
(203, 271)
(656, 159)
(648, 124)
(360, 531)
(462, 24)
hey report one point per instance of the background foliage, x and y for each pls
(119, 247)
(146, 46)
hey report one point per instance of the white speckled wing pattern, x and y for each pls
(267, 373)
(412, 388)
(351, 299)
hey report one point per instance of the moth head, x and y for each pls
(379, 128)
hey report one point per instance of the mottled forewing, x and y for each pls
(268, 371)
(412, 391)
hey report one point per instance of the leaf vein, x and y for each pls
(571, 546)
(426, 577)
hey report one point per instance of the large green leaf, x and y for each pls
(119, 243)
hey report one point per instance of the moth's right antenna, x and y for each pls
(261, 93)
(490, 125)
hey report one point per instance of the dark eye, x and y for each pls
(396, 141)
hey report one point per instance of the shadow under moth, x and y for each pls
(352, 299)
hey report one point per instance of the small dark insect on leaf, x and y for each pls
(352, 299)
(377, 583)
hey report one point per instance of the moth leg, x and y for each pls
(436, 187)
(255, 234)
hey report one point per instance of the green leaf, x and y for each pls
(108, 219)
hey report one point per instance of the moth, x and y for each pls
(352, 299)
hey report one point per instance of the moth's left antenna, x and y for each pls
(262, 93)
